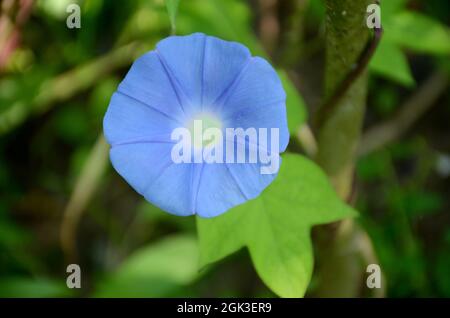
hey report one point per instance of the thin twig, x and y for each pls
(84, 189)
(307, 140)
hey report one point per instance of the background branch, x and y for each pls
(420, 102)
(85, 187)
(67, 85)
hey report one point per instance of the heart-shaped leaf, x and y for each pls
(275, 227)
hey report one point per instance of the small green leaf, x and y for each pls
(229, 20)
(275, 227)
(419, 33)
(390, 7)
(154, 271)
(391, 62)
(296, 109)
(411, 30)
(172, 8)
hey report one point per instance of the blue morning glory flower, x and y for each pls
(187, 79)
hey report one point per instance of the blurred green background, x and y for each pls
(61, 202)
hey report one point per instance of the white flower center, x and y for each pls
(201, 126)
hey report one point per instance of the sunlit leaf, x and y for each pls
(296, 109)
(419, 33)
(390, 7)
(410, 30)
(275, 227)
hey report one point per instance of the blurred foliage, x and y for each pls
(55, 89)
(157, 270)
(172, 8)
(410, 30)
(411, 242)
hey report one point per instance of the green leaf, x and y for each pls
(295, 106)
(229, 20)
(275, 227)
(411, 30)
(419, 33)
(172, 8)
(154, 271)
(390, 7)
(391, 62)
(30, 287)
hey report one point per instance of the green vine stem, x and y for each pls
(344, 248)
(346, 38)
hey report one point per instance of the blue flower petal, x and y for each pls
(141, 163)
(203, 66)
(171, 190)
(257, 100)
(223, 186)
(148, 81)
(182, 57)
(129, 120)
(148, 167)
(165, 89)
(222, 65)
